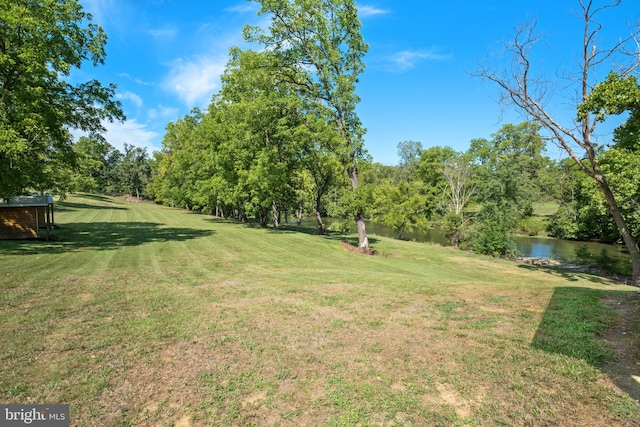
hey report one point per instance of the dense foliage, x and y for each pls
(40, 44)
(101, 168)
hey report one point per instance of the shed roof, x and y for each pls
(24, 201)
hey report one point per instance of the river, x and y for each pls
(529, 247)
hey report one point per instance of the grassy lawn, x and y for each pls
(144, 315)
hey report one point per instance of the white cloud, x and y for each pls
(163, 113)
(130, 96)
(133, 133)
(408, 59)
(195, 80)
(365, 11)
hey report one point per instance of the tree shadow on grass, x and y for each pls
(72, 206)
(102, 236)
(96, 197)
(292, 228)
(588, 324)
(568, 274)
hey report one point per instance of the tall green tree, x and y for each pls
(508, 166)
(409, 155)
(430, 170)
(506, 178)
(523, 87)
(91, 164)
(325, 172)
(400, 206)
(41, 42)
(135, 170)
(267, 124)
(320, 49)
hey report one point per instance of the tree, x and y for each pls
(430, 169)
(92, 168)
(459, 189)
(172, 182)
(267, 124)
(324, 170)
(409, 154)
(135, 170)
(40, 43)
(320, 51)
(618, 162)
(508, 165)
(400, 206)
(506, 177)
(522, 87)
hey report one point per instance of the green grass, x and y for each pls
(546, 209)
(143, 315)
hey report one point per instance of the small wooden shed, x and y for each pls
(26, 217)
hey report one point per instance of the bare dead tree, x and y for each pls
(459, 188)
(532, 95)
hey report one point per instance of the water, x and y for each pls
(529, 247)
(538, 247)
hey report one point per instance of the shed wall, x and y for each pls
(20, 222)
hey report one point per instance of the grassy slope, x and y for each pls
(145, 315)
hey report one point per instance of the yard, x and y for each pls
(139, 314)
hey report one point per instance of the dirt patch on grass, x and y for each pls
(350, 248)
(624, 340)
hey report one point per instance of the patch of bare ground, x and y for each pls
(291, 360)
(350, 248)
(447, 395)
(624, 339)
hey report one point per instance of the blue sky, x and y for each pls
(166, 57)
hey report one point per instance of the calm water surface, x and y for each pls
(529, 247)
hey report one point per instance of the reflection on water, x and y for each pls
(529, 247)
(538, 247)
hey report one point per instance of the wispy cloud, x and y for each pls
(365, 11)
(408, 59)
(163, 33)
(242, 8)
(195, 80)
(130, 96)
(163, 112)
(134, 79)
(100, 9)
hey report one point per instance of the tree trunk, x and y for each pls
(318, 216)
(298, 218)
(363, 241)
(629, 241)
(276, 215)
(320, 224)
(402, 230)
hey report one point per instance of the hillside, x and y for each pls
(139, 314)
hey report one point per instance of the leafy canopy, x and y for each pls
(41, 42)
